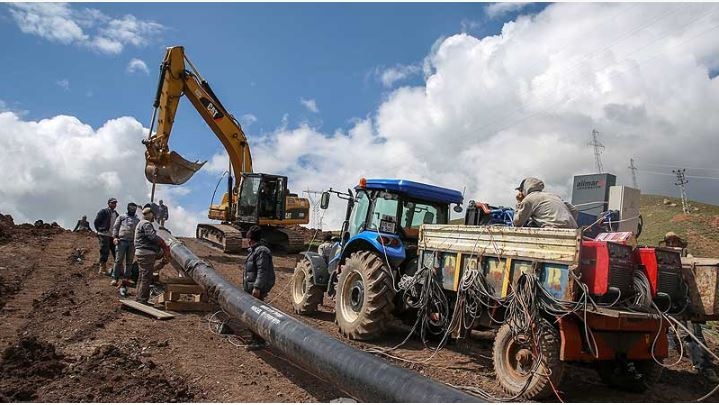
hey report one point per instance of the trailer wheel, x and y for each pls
(635, 376)
(306, 295)
(515, 359)
(365, 294)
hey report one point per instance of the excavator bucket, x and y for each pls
(174, 170)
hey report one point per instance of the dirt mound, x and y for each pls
(33, 371)
(7, 226)
(307, 233)
(27, 366)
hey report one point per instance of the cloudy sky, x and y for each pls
(467, 96)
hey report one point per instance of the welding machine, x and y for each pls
(663, 267)
(607, 269)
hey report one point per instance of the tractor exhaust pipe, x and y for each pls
(361, 375)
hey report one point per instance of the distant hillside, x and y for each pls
(700, 228)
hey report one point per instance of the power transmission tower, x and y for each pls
(314, 202)
(598, 148)
(681, 182)
(634, 173)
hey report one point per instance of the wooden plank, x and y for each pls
(184, 289)
(147, 309)
(188, 306)
(176, 280)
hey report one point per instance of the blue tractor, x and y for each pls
(378, 246)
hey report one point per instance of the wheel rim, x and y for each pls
(352, 297)
(357, 295)
(518, 361)
(299, 287)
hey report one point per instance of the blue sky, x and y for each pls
(342, 72)
(260, 59)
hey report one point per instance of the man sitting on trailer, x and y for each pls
(540, 209)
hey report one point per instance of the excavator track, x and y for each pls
(224, 236)
(229, 238)
(283, 240)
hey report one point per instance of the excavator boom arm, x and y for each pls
(166, 167)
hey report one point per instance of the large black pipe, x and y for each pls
(360, 374)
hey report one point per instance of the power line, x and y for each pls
(598, 148)
(681, 182)
(681, 166)
(687, 176)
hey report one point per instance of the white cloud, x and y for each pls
(90, 28)
(467, 25)
(247, 119)
(496, 10)
(218, 163)
(524, 102)
(394, 74)
(490, 112)
(137, 65)
(310, 104)
(64, 84)
(59, 169)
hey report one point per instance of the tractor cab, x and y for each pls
(386, 215)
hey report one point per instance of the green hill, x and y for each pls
(700, 228)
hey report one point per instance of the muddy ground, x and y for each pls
(66, 338)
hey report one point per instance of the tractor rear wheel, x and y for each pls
(365, 295)
(526, 369)
(306, 295)
(632, 376)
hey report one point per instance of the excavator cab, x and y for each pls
(262, 198)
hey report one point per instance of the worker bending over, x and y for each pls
(544, 210)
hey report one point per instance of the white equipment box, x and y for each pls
(625, 200)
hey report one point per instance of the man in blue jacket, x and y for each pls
(104, 220)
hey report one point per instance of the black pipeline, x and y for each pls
(362, 375)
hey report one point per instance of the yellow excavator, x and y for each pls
(252, 198)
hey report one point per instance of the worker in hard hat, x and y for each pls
(541, 209)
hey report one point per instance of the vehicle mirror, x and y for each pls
(325, 200)
(457, 208)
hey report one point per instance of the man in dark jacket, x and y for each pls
(104, 220)
(163, 215)
(82, 224)
(546, 210)
(147, 248)
(259, 275)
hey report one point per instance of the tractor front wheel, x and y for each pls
(365, 294)
(306, 295)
